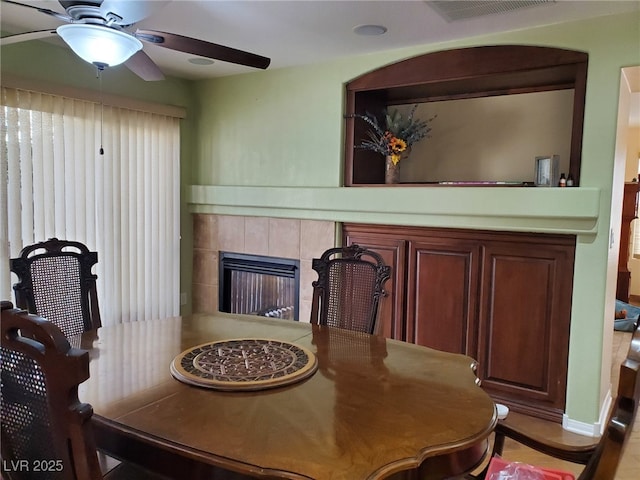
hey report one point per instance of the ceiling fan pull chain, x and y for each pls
(99, 71)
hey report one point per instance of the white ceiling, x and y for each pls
(310, 31)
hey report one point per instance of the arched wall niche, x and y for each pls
(458, 75)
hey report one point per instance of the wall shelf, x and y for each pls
(458, 74)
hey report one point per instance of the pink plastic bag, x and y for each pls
(502, 470)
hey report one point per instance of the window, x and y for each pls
(123, 204)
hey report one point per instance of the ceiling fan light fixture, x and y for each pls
(99, 45)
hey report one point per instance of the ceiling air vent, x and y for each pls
(452, 11)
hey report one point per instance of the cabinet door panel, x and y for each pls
(442, 295)
(524, 324)
(393, 252)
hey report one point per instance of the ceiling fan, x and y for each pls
(102, 33)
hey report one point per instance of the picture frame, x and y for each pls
(547, 171)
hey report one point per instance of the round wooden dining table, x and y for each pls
(372, 407)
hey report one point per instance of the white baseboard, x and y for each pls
(589, 429)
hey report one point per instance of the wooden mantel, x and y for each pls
(519, 209)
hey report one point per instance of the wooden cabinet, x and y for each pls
(501, 298)
(629, 212)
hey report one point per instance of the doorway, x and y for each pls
(628, 143)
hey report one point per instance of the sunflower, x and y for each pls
(397, 146)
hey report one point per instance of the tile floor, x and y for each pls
(629, 468)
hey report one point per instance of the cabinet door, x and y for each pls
(524, 325)
(442, 294)
(393, 252)
(629, 213)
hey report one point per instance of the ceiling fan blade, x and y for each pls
(24, 37)
(130, 11)
(202, 48)
(46, 11)
(142, 65)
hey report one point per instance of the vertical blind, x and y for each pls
(123, 204)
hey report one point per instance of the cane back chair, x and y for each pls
(42, 418)
(349, 288)
(55, 282)
(601, 459)
(46, 431)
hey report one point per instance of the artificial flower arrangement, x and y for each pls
(397, 135)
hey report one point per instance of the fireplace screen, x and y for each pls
(259, 285)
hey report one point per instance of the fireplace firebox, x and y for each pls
(259, 285)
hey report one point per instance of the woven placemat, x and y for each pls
(244, 364)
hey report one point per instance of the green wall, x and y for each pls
(285, 127)
(271, 143)
(59, 65)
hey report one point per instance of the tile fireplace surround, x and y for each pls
(277, 237)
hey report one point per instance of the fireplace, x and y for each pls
(259, 285)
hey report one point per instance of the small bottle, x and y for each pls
(563, 181)
(570, 181)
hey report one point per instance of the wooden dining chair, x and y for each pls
(55, 282)
(349, 288)
(601, 459)
(46, 431)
